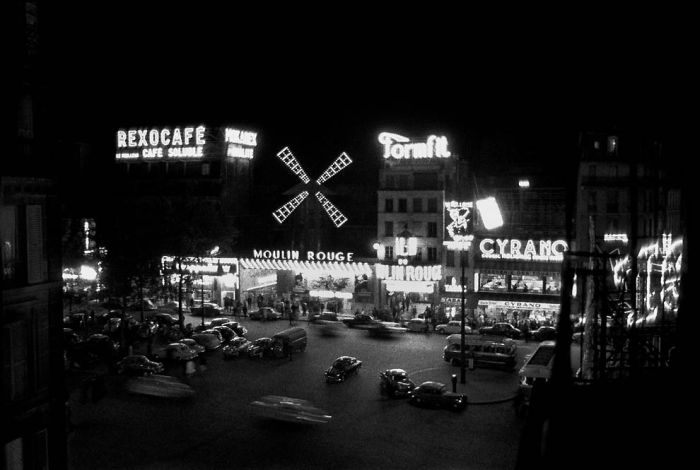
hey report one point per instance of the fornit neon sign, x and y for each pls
(547, 250)
(156, 144)
(400, 147)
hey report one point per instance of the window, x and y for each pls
(450, 258)
(592, 170)
(432, 229)
(596, 145)
(403, 182)
(388, 229)
(37, 268)
(493, 282)
(403, 205)
(15, 362)
(612, 145)
(8, 238)
(390, 181)
(205, 169)
(612, 205)
(432, 204)
(528, 284)
(592, 203)
(425, 180)
(388, 252)
(419, 253)
(432, 253)
(388, 205)
(417, 204)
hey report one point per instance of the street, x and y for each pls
(218, 430)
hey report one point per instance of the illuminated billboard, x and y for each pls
(401, 148)
(459, 225)
(183, 143)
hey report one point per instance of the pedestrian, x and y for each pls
(245, 310)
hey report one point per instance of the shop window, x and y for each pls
(388, 229)
(432, 229)
(493, 282)
(432, 205)
(526, 284)
(432, 253)
(403, 205)
(417, 204)
(388, 205)
(553, 285)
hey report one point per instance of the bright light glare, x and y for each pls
(88, 273)
(490, 213)
(524, 183)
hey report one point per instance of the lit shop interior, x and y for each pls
(208, 278)
(342, 287)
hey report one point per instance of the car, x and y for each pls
(239, 329)
(208, 340)
(385, 329)
(360, 320)
(544, 333)
(218, 321)
(395, 383)
(100, 345)
(193, 345)
(265, 313)
(323, 316)
(293, 410)
(180, 352)
(436, 394)
(160, 386)
(260, 347)
(166, 319)
(148, 305)
(210, 310)
(237, 346)
(104, 317)
(214, 332)
(112, 326)
(417, 324)
(76, 320)
(501, 329)
(341, 368)
(173, 307)
(138, 364)
(227, 333)
(70, 338)
(452, 326)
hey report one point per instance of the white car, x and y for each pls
(453, 326)
(293, 410)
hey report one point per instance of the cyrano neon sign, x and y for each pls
(399, 147)
(547, 250)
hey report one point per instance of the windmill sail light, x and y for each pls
(288, 158)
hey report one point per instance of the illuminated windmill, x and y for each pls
(312, 187)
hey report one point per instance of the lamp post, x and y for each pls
(463, 352)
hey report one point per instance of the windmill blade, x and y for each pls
(341, 162)
(284, 211)
(336, 216)
(288, 159)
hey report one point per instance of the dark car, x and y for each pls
(138, 364)
(361, 319)
(501, 329)
(227, 333)
(76, 320)
(544, 333)
(260, 347)
(166, 319)
(265, 313)
(236, 347)
(323, 316)
(436, 394)
(210, 310)
(146, 303)
(395, 383)
(239, 329)
(341, 368)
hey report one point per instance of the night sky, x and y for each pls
(323, 82)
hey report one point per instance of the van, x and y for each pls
(483, 351)
(289, 341)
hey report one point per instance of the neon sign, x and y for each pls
(240, 143)
(458, 232)
(511, 249)
(310, 255)
(615, 237)
(406, 246)
(400, 147)
(409, 273)
(157, 144)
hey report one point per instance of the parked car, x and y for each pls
(210, 310)
(193, 345)
(180, 352)
(76, 320)
(436, 394)
(236, 347)
(289, 409)
(260, 347)
(138, 364)
(226, 333)
(265, 313)
(323, 316)
(361, 319)
(148, 305)
(104, 317)
(160, 386)
(341, 368)
(501, 329)
(165, 319)
(239, 329)
(214, 332)
(452, 326)
(417, 324)
(395, 383)
(218, 321)
(544, 333)
(208, 340)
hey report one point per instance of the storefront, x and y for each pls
(518, 281)
(321, 279)
(408, 288)
(209, 278)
